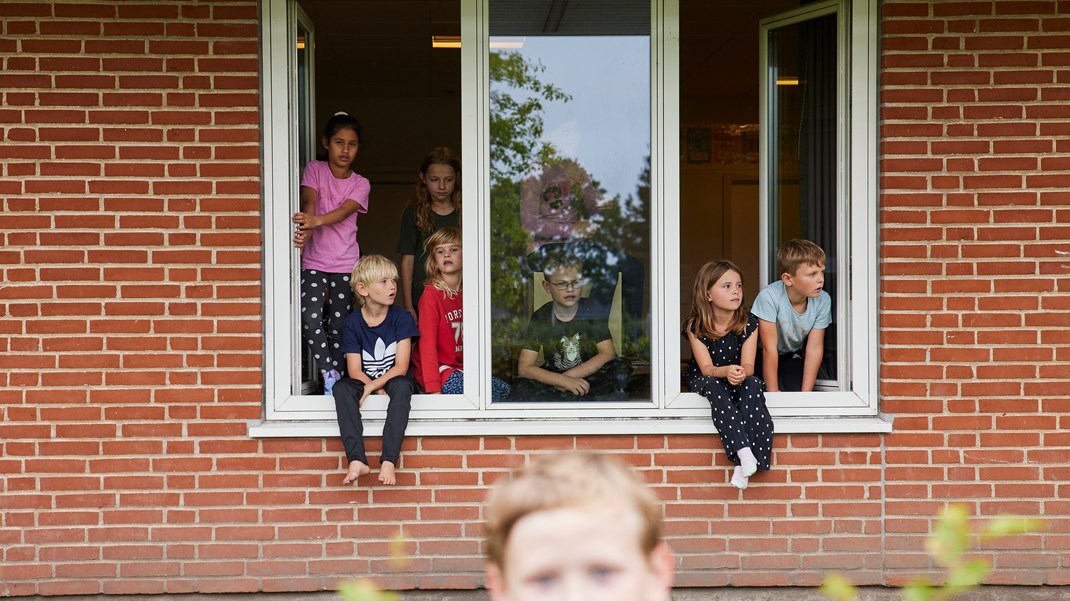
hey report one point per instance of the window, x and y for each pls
(687, 157)
(570, 193)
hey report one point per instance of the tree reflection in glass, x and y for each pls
(564, 109)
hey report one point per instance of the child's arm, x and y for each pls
(353, 366)
(400, 368)
(526, 368)
(815, 352)
(307, 219)
(606, 353)
(733, 373)
(354, 369)
(747, 355)
(770, 358)
(428, 349)
(408, 263)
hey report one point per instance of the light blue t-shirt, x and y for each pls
(792, 327)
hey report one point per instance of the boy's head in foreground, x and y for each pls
(576, 526)
(802, 266)
(375, 278)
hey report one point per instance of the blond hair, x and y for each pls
(579, 479)
(793, 254)
(446, 235)
(371, 268)
(700, 320)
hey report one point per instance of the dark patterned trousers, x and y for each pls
(326, 301)
(740, 415)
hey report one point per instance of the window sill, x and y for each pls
(879, 424)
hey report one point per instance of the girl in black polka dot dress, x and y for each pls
(721, 332)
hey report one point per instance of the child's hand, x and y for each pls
(736, 374)
(306, 221)
(301, 238)
(577, 386)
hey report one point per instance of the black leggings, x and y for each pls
(326, 301)
(347, 393)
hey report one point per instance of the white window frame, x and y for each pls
(670, 412)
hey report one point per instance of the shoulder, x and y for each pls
(543, 312)
(355, 320)
(358, 183)
(402, 319)
(450, 219)
(315, 166)
(752, 324)
(313, 172)
(766, 303)
(586, 310)
(776, 289)
(409, 214)
(431, 295)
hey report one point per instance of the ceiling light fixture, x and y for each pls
(445, 41)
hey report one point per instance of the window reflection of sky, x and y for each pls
(606, 125)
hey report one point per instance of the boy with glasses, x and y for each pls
(579, 361)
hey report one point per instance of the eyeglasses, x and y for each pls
(565, 285)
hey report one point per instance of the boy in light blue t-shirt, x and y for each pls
(793, 313)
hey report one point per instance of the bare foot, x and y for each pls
(386, 473)
(356, 470)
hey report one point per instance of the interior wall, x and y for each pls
(374, 60)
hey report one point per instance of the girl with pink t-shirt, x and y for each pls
(331, 197)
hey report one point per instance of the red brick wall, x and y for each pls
(975, 130)
(130, 332)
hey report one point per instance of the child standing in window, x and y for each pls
(331, 197)
(720, 331)
(439, 357)
(793, 313)
(377, 346)
(437, 204)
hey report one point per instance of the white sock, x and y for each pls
(738, 479)
(747, 461)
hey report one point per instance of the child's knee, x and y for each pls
(400, 386)
(753, 383)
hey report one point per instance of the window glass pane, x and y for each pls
(803, 153)
(570, 194)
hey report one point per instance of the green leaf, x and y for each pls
(364, 590)
(919, 590)
(1010, 526)
(838, 588)
(966, 576)
(951, 535)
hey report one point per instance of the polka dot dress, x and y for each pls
(326, 301)
(739, 412)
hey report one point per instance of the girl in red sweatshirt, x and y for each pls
(439, 357)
